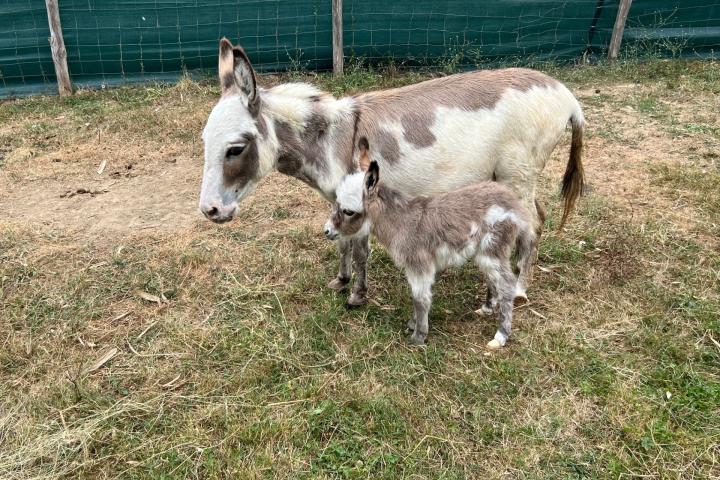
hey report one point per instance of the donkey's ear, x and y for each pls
(372, 176)
(364, 146)
(236, 71)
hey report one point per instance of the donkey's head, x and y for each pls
(349, 217)
(236, 157)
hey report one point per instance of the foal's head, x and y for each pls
(233, 138)
(349, 216)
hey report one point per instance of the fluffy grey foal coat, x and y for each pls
(425, 235)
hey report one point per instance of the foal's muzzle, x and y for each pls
(330, 232)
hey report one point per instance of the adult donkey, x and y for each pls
(431, 137)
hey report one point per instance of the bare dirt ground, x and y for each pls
(98, 190)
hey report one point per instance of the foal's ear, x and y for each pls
(372, 176)
(236, 71)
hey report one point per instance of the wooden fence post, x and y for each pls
(618, 30)
(57, 45)
(337, 19)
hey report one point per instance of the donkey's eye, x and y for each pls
(234, 151)
(349, 213)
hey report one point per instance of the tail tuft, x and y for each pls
(574, 178)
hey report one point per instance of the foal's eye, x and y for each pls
(234, 151)
(349, 213)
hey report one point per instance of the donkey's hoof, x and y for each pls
(411, 324)
(338, 284)
(416, 340)
(356, 300)
(484, 310)
(494, 345)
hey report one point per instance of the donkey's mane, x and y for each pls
(292, 102)
(296, 90)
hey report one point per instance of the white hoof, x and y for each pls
(484, 310)
(493, 345)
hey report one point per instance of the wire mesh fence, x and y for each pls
(124, 41)
(26, 64)
(465, 32)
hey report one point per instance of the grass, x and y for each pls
(247, 366)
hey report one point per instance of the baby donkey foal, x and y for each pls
(425, 235)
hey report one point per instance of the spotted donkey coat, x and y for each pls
(429, 138)
(425, 235)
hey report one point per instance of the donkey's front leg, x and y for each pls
(360, 253)
(343, 276)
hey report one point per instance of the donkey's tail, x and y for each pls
(574, 178)
(526, 252)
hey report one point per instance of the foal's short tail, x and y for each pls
(574, 178)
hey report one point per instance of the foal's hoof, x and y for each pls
(411, 324)
(356, 300)
(416, 340)
(484, 310)
(520, 296)
(338, 284)
(520, 300)
(494, 345)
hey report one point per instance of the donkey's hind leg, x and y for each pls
(345, 273)
(526, 247)
(541, 217)
(360, 254)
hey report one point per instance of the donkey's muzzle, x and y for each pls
(217, 213)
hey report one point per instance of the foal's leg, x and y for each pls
(500, 275)
(343, 277)
(421, 288)
(360, 253)
(488, 307)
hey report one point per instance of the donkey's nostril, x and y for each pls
(217, 212)
(327, 231)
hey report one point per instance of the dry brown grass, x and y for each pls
(249, 367)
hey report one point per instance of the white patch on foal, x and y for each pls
(350, 192)
(497, 214)
(487, 242)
